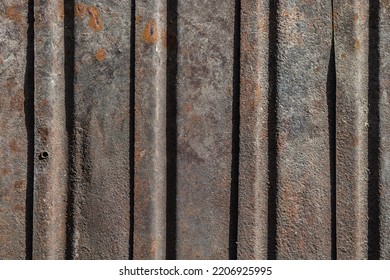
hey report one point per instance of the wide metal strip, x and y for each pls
(204, 128)
(303, 195)
(15, 130)
(100, 106)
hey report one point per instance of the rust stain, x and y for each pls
(80, 10)
(150, 32)
(13, 13)
(138, 19)
(101, 54)
(4, 171)
(95, 21)
(43, 134)
(19, 184)
(17, 102)
(13, 145)
(357, 44)
(356, 18)
(19, 208)
(187, 107)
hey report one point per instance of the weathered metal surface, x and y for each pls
(50, 154)
(303, 179)
(205, 32)
(351, 49)
(380, 83)
(14, 129)
(255, 35)
(99, 108)
(172, 129)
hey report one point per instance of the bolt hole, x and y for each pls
(43, 155)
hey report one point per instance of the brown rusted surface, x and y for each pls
(351, 24)
(173, 129)
(13, 131)
(150, 128)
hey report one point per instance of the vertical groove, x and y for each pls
(132, 128)
(272, 128)
(171, 128)
(69, 48)
(233, 226)
(331, 100)
(373, 133)
(30, 124)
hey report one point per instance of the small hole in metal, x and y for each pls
(43, 155)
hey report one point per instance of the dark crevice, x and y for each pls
(171, 128)
(30, 124)
(373, 132)
(272, 128)
(69, 48)
(132, 128)
(233, 225)
(331, 103)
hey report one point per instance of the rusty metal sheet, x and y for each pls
(172, 129)
(15, 129)
(351, 49)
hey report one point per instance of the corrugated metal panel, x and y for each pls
(172, 129)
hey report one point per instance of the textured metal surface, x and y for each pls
(172, 129)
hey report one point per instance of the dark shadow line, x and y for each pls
(69, 64)
(132, 128)
(373, 132)
(331, 103)
(272, 128)
(233, 225)
(171, 128)
(29, 93)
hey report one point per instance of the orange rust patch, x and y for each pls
(101, 54)
(150, 32)
(357, 44)
(80, 10)
(13, 13)
(138, 19)
(13, 145)
(95, 21)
